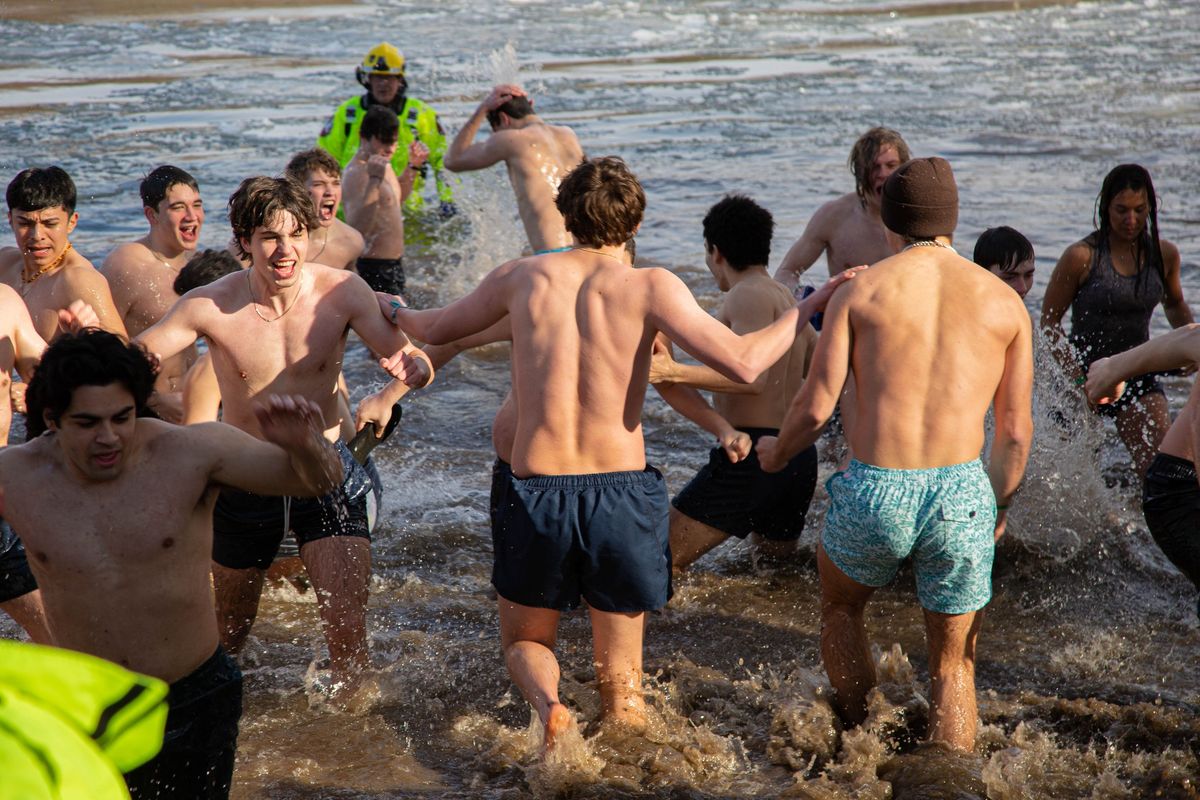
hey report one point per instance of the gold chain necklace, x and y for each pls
(254, 303)
(158, 256)
(323, 245)
(28, 279)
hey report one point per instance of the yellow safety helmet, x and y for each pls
(382, 59)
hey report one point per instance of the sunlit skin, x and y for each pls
(175, 224)
(326, 193)
(1020, 277)
(334, 243)
(95, 430)
(277, 250)
(41, 235)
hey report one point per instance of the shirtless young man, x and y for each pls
(116, 513)
(44, 268)
(281, 327)
(1170, 494)
(334, 244)
(848, 230)
(20, 348)
(735, 497)
(538, 156)
(141, 274)
(374, 198)
(1007, 254)
(932, 341)
(582, 514)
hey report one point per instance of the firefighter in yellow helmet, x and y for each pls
(382, 75)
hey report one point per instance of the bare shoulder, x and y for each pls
(832, 213)
(128, 256)
(1170, 252)
(348, 234)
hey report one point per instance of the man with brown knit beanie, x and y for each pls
(932, 342)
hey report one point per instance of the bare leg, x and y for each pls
(617, 642)
(528, 636)
(774, 548)
(340, 568)
(691, 539)
(953, 716)
(27, 612)
(1142, 426)
(844, 649)
(237, 592)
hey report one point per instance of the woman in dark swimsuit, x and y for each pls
(1112, 281)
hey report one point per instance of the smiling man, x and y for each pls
(849, 230)
(281, 327)
(142, 273)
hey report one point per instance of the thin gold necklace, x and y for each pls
(599, 253)
(323, 245)
(160, 258)
(28, 279)
(254, 303)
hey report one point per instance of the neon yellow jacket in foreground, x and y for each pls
(418, 120)
(71, 724)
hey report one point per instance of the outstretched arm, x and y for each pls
(1179, 348)
(412, 366)
(295, 459)
(689, 403)
(805, 252)
(177, 330)
(465, 153)
(467, 316)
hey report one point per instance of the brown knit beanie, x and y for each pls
(921, 199)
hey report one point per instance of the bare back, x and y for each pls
(933, 336)
(129, 579)
(750, 305)
(580, 361)
(538, 157)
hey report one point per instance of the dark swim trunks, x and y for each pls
(501, 472)
(247, 528)
(1171, 504)
(382, 274)
(603, 536)
(739, 499)
(16, 579)
(200, 743)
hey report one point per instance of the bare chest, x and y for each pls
(254, 350)
(858, 240)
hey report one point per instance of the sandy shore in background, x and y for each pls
(72, 10)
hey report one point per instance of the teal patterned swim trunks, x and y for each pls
(944, 518)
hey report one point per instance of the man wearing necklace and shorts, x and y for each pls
(932, 341)
(334, 243)
(281, 327)
(142, 273)
(537, 155)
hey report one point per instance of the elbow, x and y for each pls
(452, 163)
(744, 372)
(1016, 434)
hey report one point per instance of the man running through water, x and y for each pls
(281, 327)
(116, 513)
(141, 274)
(374, 195)
(334, 243)
(537, 155)
(583, 515)
(1170, 494)
(932, 341)
(849, 230)
(731, 495)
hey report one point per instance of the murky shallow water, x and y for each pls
(1087, 662)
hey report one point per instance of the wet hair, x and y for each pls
(866, 150)
(631, 248)
(381, 124)
(92, 357)
(1148, 250)
(741, 229)
(155, 186)
(601, 201)
(204, 268)
(304, 164)
(1004, 247)
(34, 189)
(516, 107)
(257, 200)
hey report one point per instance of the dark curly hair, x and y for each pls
(92, 357)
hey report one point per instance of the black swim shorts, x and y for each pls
(501, 472)
(247, 528)
(15, 577)
(1171, 503)
(382, 274)
(200, 743)
(603, 536)
(739, 499)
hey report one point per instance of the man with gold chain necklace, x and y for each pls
(142, 273)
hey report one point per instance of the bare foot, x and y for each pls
(630, 718)
(560, 722)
